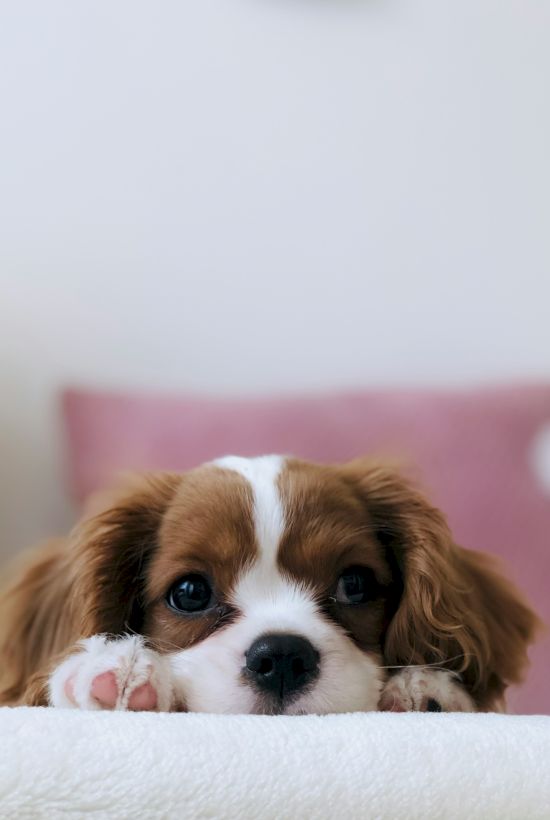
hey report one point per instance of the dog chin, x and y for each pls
(312, 704)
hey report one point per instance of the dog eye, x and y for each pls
(354, 585)
(192, 593)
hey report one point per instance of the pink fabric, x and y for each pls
(472, 452)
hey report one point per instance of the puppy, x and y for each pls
(264, 586)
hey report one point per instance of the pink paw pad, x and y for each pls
(68, 688)
(144, 698)
(391, 704)
(104, 689)
(395, 707)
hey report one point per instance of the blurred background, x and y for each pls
(233, 198)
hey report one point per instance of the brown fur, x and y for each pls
(434, 602)
(79, 586)
(329, 530)
(456, 608)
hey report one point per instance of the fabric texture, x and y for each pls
(69, 764)
(479, 454)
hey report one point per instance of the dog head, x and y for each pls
(279, 586)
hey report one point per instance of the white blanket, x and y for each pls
(70, 764)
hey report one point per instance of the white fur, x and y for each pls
(132, 663)
(410, 689)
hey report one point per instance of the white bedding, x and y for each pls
(70, 764)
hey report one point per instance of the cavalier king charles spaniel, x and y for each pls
(262, 586)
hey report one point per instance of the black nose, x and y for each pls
(282, 664)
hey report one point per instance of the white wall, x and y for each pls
(231, 195)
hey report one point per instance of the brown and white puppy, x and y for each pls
(268, 586)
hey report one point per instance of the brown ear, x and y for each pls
(110, 552)
(87, 583)
(456, 609)
(31, 622)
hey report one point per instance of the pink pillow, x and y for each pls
(475, 452)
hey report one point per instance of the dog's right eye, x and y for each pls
(192, 593)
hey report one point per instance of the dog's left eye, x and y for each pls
(354, 585)
(192, 593)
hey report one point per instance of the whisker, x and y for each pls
(161, 643)
(153, 642)
(437, 665)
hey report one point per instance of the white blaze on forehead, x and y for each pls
(262, 474)
(271, 601)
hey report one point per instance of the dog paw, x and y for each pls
(114, 674)
(419, 689)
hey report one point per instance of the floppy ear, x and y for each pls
(110, 552)
(456, 609)
(87, 583)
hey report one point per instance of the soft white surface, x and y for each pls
(244, 195)
(69, 764)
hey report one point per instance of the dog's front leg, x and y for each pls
(115, 673)
(424, 689)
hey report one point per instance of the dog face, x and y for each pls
(269, 577)
(281, 587)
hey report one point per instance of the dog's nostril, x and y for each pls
(298, 667)
(265, 667)
(282, 664)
